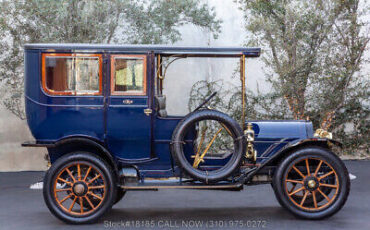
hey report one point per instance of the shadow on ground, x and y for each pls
(22, 208)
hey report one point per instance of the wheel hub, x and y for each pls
(79, 188)
(311, 183)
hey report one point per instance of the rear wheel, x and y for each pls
(79, 188)
(312, 183)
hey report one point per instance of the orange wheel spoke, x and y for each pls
(323, 194)
(304, 198)
(65, 198)
(314, 199)
(81, 205)
(81, 176)
(78, 172)
(329, 185)
(318, 168)
(61, 179)
(87, 173)
(89, 201)
(63, 189)
(227, 130)
(292, 189)
(92, 180)
(296, 191)
(295, 181)
(96, 187)
(299, 172)
(96, 196)
(308, 167)
(325, 175)
(73, 203)
(70, 174)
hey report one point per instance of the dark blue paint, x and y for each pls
(128, 128)
(271, 136)
(126, 132)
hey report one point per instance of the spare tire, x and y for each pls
(181, 156)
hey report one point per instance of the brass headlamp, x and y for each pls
(251, 153)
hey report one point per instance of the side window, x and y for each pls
(128, 75)
(72, 74)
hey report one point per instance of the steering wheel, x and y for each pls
(206, 101)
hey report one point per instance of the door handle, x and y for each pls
(127, 101)
(148, 111)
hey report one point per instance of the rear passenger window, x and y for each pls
(72, 74)
(128, 75)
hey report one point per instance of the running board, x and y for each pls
(156, 186)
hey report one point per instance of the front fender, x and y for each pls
(313, 141)
(322, 142)
(273, 160)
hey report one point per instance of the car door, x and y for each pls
(128, 111)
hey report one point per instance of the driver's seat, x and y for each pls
(160, 105)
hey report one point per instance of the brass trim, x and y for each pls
(159, 74)
(198, 159)
(242, 69)
(323, 134)
(311, 183)
(148, 111)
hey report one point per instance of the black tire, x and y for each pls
(306, 209)
(120, 194)
(102, 169)
(178, 152)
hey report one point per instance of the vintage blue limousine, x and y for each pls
(101, 113)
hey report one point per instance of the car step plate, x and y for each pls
(165, 185)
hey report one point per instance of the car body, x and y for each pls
(125, 128)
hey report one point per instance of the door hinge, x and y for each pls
(148, 111)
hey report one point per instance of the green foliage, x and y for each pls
(158, 21)
(314, 54)
(202, 90)
(85, 21)
(313, 51)
(223, 144)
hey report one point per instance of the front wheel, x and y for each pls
(312, 183)
(79, 188)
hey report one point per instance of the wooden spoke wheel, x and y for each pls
(79, 188)
(83, 188)
(312, 183)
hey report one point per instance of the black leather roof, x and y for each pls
(158, 49)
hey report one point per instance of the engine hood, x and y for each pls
(282, 129)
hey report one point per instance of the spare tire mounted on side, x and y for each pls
(178, 142)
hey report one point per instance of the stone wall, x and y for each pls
(13, 157)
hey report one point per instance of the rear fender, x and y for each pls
(78, 143)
